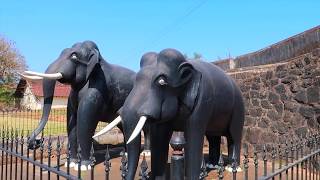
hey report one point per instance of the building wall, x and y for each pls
(29, 101)
(282, 100)
(58, 102)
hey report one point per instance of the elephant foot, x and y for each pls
(85, 165)
(82, 167)
(71, 164)
(212, 166)
(146, 152)
(229, 169)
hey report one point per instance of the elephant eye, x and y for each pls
(162, 81)
(74, 56)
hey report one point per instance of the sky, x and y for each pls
(125, 30)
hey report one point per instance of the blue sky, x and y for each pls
(124, 30)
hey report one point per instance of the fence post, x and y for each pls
(144, 169)
(221, 167)
(245, 162)
(93, 161)
(255, 162)
(123, 167)
(177, 143)
(107, 163)
(203, 170)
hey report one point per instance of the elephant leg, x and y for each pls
(194, 146)
(235, 132)
(88, 115)
(160, 137)
(214, 150)
(72, 134)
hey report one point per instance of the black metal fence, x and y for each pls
(27, 120)
(297, 159)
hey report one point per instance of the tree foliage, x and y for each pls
(11, 62)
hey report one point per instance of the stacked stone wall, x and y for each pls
(282, 100)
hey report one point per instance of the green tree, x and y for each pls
(11, 62)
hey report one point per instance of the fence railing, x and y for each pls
(27, 121)
(293, 160)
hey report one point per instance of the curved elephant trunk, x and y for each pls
(48, 92)
(133, 149)
(48, 86)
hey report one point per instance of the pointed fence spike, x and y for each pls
(107, 163)
(123, 166)
(246, 162)
(144, 169)
(255, 162)
(234, 166)
(203, 169)
(264, 157)
(221, 167)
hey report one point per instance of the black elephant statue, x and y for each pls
(98, 90)
(195, 97)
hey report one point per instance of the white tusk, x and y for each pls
(108, 127)
(30, 77)
(47, 76)
(138, 128)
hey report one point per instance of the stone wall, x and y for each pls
(282, 100)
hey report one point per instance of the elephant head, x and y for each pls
(165, 86)
(73, 67)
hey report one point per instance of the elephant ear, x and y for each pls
(192, 79)
(93, 61)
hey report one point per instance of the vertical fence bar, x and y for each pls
(307, 161)
(301, 151)
(221, 167)
(16, 151)
(255, 161)
(21, 153)
(2, 152)
(28, 151)
(123, 167)
(264, 157)
(203, 170)
(58, 152)
(92, 160)
(107, 164)
(273, 157)
(7, 148)
(234, 169)
(292, 157)
(144, 169)
(68, 158)
(34, 159)
(49, 147)
(11, 150)
(245, 163)
(41, 156)
(286, 152)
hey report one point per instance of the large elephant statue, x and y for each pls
(195, 97)
(98, 90)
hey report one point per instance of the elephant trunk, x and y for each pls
(48, 86)
(133, 150)
(48, 92)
